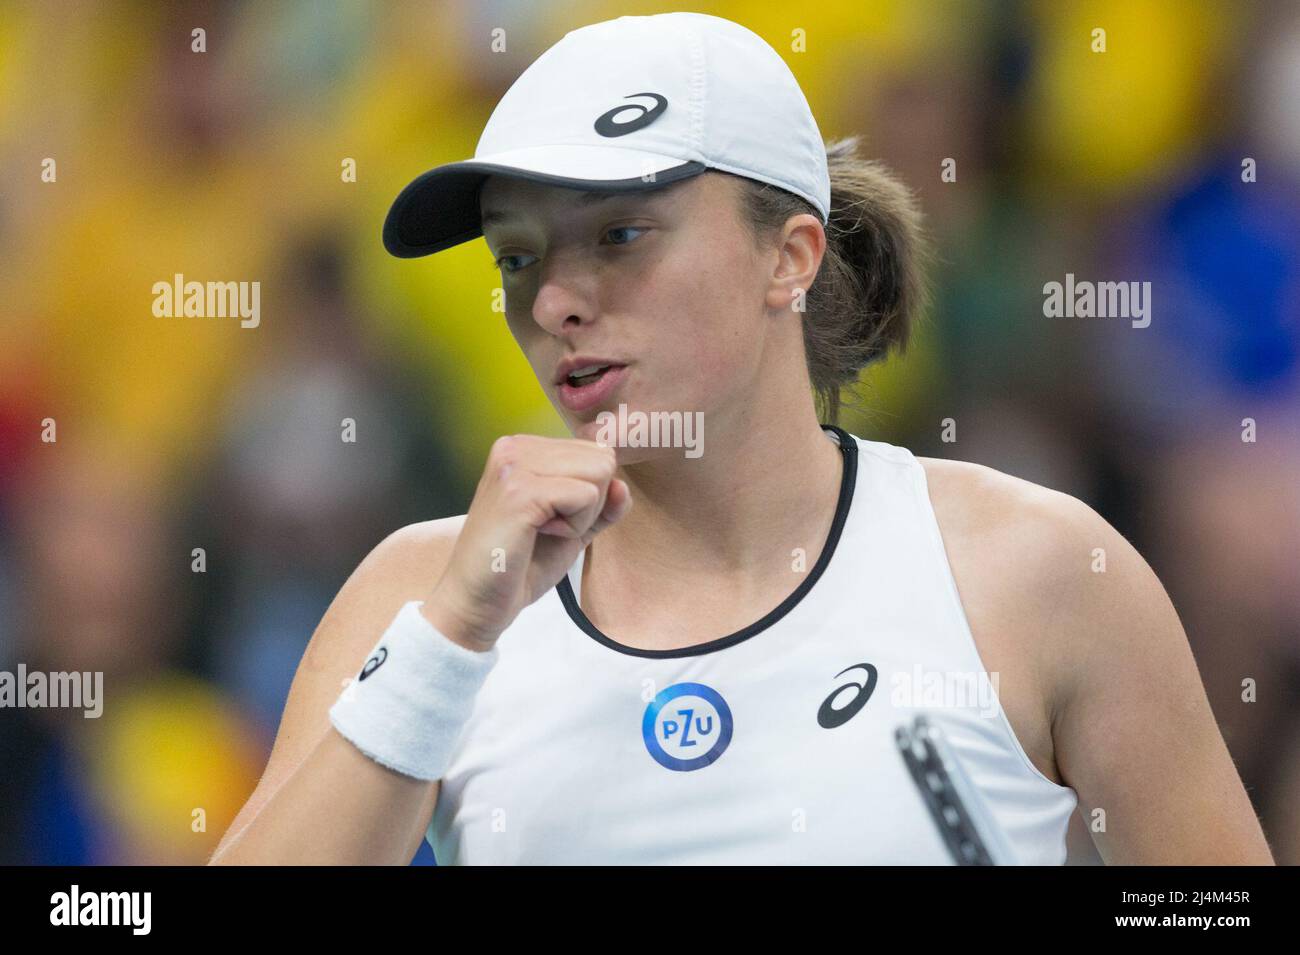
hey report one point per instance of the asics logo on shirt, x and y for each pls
(829, 717)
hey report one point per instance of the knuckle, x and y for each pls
(536, 512)
(514, 490)
(608, 461)
(503, 450)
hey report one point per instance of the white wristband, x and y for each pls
(407, 707)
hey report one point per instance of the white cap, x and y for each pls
(627, 105)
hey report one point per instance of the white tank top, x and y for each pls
(763, 746)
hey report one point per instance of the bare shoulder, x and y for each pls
(1031, 543)
(407, 556)
(1129, 726)
(1042, 543)
(1022, 557)
(404, 566)
(1004, 509)
(1051, 551)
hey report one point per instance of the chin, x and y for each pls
(627, 456)
(590, 430)
(627, 450)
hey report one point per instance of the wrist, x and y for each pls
(408, 706)
(456, 626)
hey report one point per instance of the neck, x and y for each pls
(765, 485)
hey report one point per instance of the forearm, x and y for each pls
(338, 807)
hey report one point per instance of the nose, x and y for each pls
(565, 299)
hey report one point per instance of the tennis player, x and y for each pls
(700, 649)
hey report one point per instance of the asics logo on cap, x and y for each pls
(606, 126)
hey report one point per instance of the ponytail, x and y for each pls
(871, 285)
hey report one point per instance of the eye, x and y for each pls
(502, 263)
(624, 228)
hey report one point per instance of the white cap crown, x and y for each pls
(624, 105)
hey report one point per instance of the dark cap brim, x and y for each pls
(440, 208)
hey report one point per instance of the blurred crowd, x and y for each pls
(198, 510)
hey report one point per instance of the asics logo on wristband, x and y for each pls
(606, 126)
(374, 663)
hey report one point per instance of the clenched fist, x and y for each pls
(538, 504)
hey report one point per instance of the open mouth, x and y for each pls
(591, 386)
(589, 375)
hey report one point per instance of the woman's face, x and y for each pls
(667, 283)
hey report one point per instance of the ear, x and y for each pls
(801, 247)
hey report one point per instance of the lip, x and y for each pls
(570, 365)
(579, 399)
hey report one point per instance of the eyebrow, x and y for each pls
(586, 200)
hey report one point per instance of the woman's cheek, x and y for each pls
(523, 329)
(714, 367)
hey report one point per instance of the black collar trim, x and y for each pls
(848, 481)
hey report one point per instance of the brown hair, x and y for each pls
(871, 286)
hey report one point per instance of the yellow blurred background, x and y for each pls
(183, 436)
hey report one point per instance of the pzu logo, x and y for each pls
(687, 726)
